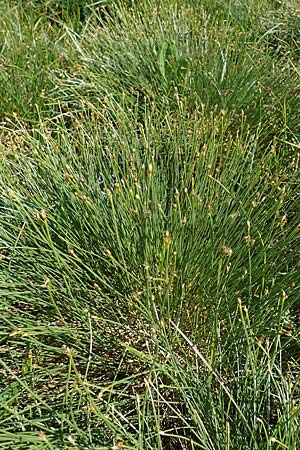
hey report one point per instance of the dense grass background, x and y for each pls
(149, 225)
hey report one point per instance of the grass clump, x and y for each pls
(149, 235)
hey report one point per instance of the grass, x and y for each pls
(149, 226)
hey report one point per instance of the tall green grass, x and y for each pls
(149, 227)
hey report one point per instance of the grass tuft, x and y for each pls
(149, 227)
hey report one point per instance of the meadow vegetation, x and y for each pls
(149, 225)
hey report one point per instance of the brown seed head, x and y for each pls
(167, 238)
(42, 435)
(47, 282)
(226, 250)
(68, 176)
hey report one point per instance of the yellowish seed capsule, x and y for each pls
(149, 279)
(47, 282)
(284, 220)
(108, 253)
(68, 176)
(71, 439)
(43, 215)
(42, 435)
(13, 196)
(167, 238)
(226, 250)
(150, 169)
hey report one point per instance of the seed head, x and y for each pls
(284, 220)
(47, 282)
(245, 309)
(249, 239)
(71, 440)
(204, 148)
(167, 238)
(226, 250)
(42, 435)
(68, 176)
(108, 253)
(85, 199)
